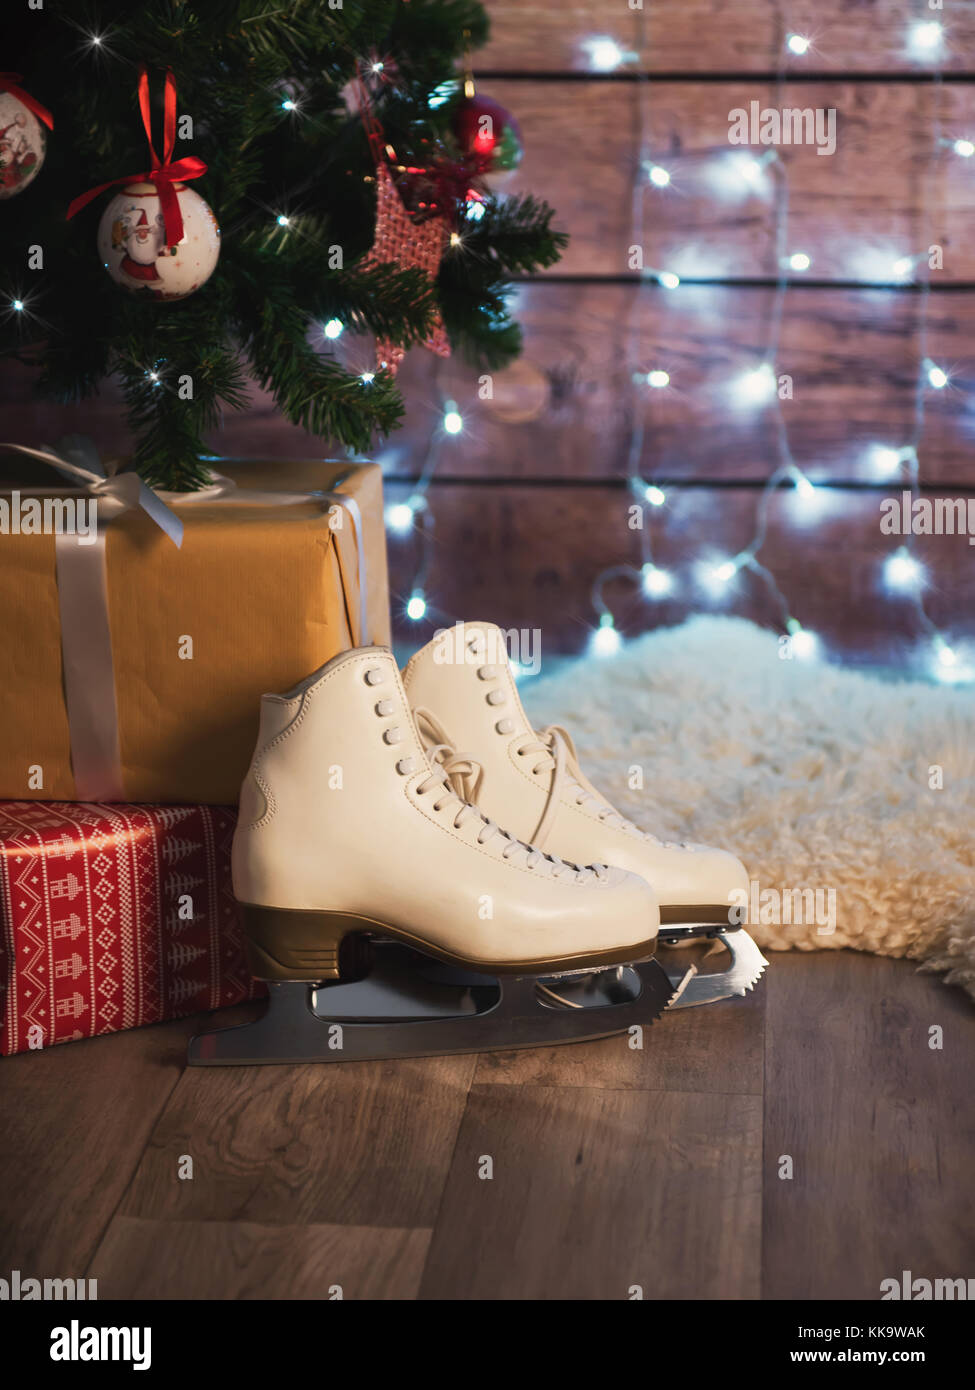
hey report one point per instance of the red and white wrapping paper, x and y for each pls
(114, 916)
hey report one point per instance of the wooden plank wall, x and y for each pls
(530, 501)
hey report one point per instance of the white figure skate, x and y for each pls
(463, 694)
(392, 919)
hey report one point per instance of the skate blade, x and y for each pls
(746, 969)
(397, 1011)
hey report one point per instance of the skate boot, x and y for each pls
(391, 918)
(463, 694)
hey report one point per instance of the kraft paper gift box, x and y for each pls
(148, 689)
(112, 917)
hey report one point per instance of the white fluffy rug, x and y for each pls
(816, 776)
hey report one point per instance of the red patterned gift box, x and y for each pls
(113, 916)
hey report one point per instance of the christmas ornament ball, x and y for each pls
(487, 134)
(132, 242)
(22, 145)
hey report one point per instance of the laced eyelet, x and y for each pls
(394, 735)
(496, 697)
(384, 708)
(405, 766)
(374, 676)
(505, 726)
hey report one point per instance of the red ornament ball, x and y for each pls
(487, 134)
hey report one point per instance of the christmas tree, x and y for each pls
(298, 111)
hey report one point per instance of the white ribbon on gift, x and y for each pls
(86, 640)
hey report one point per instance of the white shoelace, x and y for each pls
(555, 745)
(452, 774)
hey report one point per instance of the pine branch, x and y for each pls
(315, 391)
(516, 235)
(264, 83)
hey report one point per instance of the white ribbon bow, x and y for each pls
(78, 458)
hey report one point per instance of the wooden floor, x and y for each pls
(613, 1170)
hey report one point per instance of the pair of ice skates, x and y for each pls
(409, 861)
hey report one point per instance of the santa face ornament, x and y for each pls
(132, 243)
(22, 145)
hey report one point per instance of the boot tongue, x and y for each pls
(486, 646)
(445, 678)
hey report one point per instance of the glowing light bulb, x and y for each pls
(803, 643)
(399, 517)
(936, 377)
(333, 328)
(668, 279)
(455, 238)
(417, 606)
(758, 384)
(799, 261)
(904, 266)
(474, 210)
(655, 496)
(452, 421)
(604, 53)
(605, 641)
(926, 36)
(658, 176)
(751, 170)
(798, 44)
(283, 221)
(658, 379)
(289, 105)
(965, 148)
(947, 656)
(902, 571)
(18, 305)
(367, 378)
(715, 575)
(378, 67)
(656, 582)
(884, 460)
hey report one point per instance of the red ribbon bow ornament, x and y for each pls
(164, 172)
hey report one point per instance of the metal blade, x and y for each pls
(395, 1013)
(746, 968)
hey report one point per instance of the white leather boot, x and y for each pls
(347, 827)
(463, 693)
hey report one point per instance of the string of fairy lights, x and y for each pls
(903, 573)
(758, 385)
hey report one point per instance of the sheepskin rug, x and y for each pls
(816, 776)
